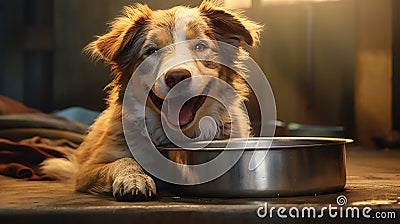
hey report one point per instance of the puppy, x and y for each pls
(104, 163)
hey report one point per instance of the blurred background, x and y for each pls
(332, 65)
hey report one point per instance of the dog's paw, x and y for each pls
(134, 187)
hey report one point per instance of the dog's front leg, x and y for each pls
(123, 177)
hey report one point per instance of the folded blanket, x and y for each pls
(22, 159)
(41, 121)
(10, 106)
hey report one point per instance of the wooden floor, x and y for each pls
(373, 180)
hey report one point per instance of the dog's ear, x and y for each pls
(122, 30)
(230, 27)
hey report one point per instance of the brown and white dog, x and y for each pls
(104, 163)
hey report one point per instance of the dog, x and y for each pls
(103, 164)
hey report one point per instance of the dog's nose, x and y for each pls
(173, 77)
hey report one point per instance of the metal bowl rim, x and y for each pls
(319, 142)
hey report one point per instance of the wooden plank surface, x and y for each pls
(373, 180)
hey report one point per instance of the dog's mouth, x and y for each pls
(176, 117)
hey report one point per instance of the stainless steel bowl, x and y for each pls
(292, 166)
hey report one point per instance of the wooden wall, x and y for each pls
(373, 76)
(351, 59)
(327, 98)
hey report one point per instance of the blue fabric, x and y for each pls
(79, 114)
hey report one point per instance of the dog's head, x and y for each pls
(179, 44)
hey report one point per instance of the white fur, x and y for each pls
(60, 168)
(182, 18)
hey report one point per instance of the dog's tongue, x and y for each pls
(182, 117)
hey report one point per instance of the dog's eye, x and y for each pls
(151, 51)
(200, 47)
